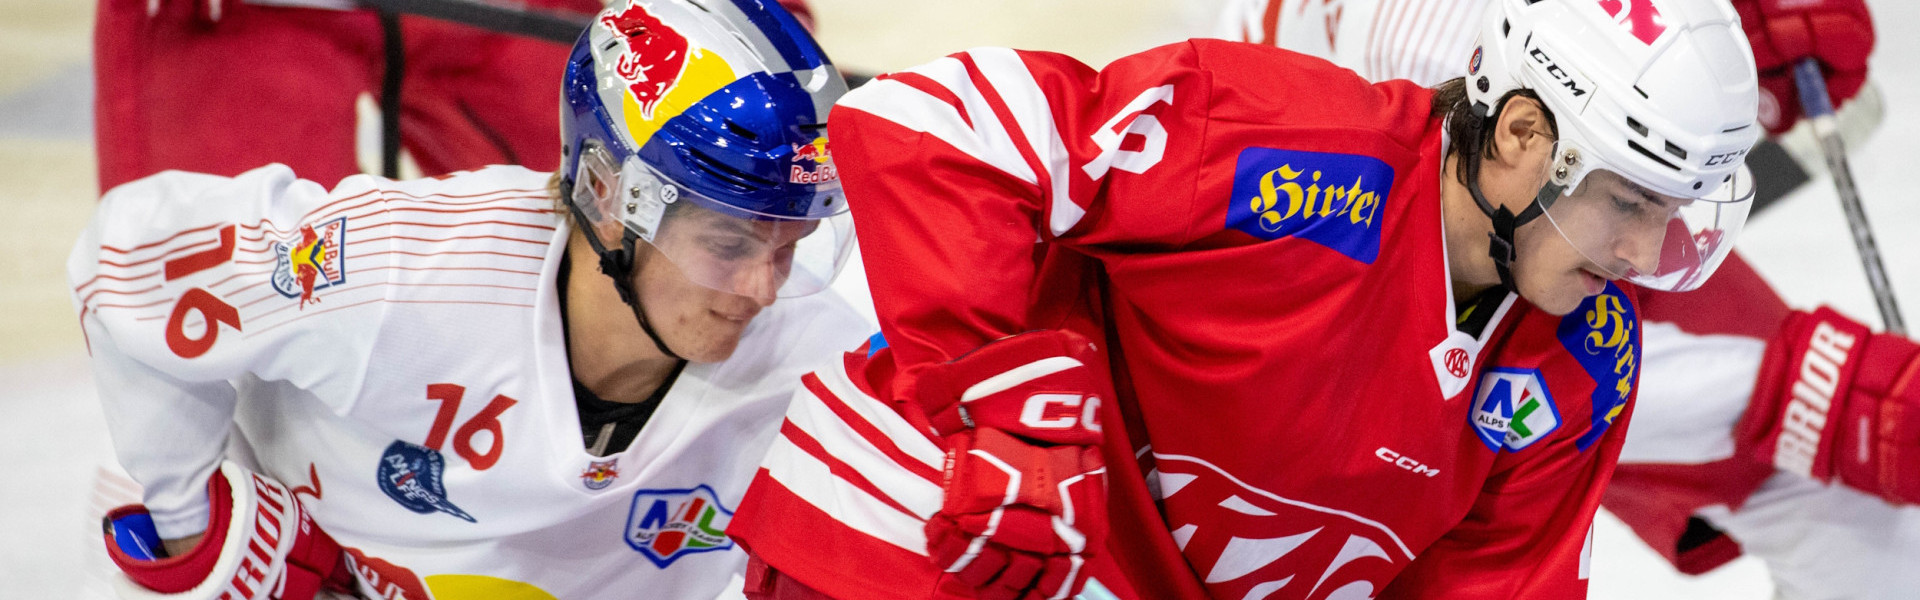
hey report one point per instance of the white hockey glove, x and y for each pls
(260, 544)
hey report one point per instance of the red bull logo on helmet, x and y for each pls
(655, 55)
(665, 72)
(812, 163)
(314, 259)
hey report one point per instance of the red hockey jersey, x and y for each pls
(1257, 235)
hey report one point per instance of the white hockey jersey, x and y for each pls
(392, 351)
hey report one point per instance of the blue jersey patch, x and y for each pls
(664, 525)
(1513, 409)
(1334, 200)
(414, 476)
(876, 343)
(1604, 336)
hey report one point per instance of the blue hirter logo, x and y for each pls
(1604, 336)
(413, 476)
(1334, 200)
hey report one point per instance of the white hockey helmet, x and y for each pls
(1658, 97)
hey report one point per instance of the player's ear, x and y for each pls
(1516, 135)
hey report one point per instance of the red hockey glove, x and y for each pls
(1836, 400)
(1025, 489)
(1839, 33)
(260, 544)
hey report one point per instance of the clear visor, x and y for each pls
(712, 243)
(1654, 240)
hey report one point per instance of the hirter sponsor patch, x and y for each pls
(1334, 200)
(1603, 335)
(664, 525)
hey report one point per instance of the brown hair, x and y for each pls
(1473, 133)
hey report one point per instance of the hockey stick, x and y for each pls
(552, 25)
(1819, 112)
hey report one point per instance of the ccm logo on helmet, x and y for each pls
(1806, 416)
(1565, 77)
(1725, 159)
(1061, 411)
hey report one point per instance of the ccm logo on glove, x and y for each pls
(1061, 411)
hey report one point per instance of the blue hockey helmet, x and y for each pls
(699, 128)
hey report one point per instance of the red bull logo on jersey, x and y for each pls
(1639, 17)
(1603, 334)
(1247, 542)
(1334, 200)
(654, 58)
(664, 525)
(1512, 409)
(812, 163)
(600, 474)
(314, 259)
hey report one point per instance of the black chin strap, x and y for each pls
(1500, 242)
(618, 266)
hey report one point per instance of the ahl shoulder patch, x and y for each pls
(1512, 409)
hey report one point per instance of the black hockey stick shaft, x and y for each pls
(1819, 112)
(551, 25)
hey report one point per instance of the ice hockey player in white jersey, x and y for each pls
(432, 390)
(1701, 459)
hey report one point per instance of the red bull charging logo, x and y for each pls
(312, 260)
(655, 55)
(812, 163)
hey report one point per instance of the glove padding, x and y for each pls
(1025, 489)
(1838, 33)
(1835, 400)
(260, 544)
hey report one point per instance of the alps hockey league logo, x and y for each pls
(664, 525)
(314, 259)
(1333, 200)
(1512, 409)
(415, 476)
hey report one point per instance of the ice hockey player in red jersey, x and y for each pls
(1362, 340)
(1703, 455)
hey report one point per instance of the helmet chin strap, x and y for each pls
(1500, 245)
(618, 266)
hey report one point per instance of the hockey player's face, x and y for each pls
(717, 274)
(700, 323)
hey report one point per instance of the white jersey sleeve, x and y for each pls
(1426, 41)
(170, 280)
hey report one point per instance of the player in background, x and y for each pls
(223, 86)
(436, 393)
(1362, 339)
(1695, 464)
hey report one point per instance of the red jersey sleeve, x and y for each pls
(961, 170)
